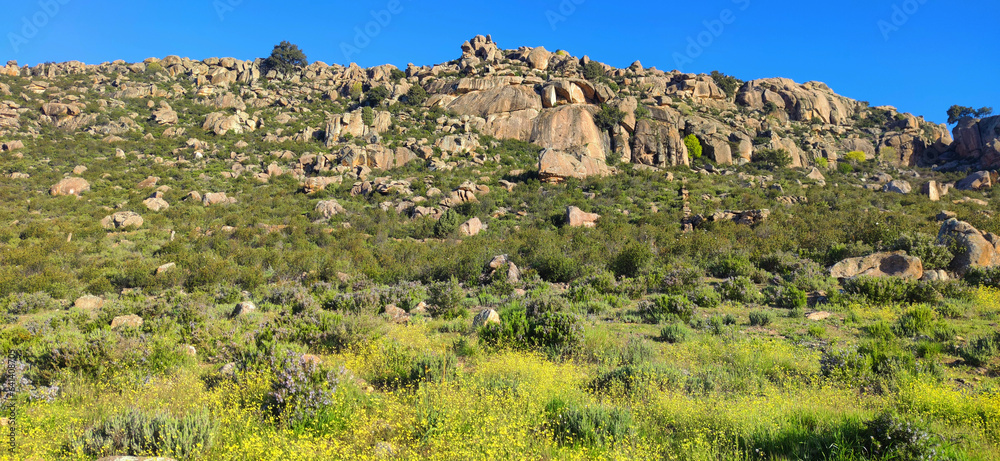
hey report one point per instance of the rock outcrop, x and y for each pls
(974, 248)
(896, 264)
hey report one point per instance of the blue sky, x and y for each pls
(921, 56)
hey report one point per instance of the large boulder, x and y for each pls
(976, 181)
(471, 228)
(538, 58)
(973, 248)
(568, 127)
(898, 186)
(70, 186)
(658, 143)
(557, 165)
(329, 208)
(896, 264)
(979, 140)
(165, 115)
(486, 316)
(500, 264)
(121, 220)
(576, 217)
(126, 321)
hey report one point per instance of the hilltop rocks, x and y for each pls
(978, 140)
(557, 165)
(121, 220)
(221, 123)
(975, 249)
(747, 218)
(70, 186)
(896, 264)
(934, 190)
(538, 58)
(58, 110)
(801, 102)
(88, 302)
(576, 217)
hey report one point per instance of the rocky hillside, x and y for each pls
(527, 94)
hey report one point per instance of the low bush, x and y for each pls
(786, 297)
(980, 351)
(705, 297)
(741, 290)
(300, 388)
(666, 308)
(760, 318)
(590, 425)
(447, 300)
(674, 333)
(142, 433)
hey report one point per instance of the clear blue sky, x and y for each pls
(921, 56)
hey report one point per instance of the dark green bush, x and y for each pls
(593, 70)
(733, 266)
(889, 437)
(674, 333)
(983, 276)
(666, 308)
(760, 318)
(741, 290)
(416, 95)
(141, 433)
(980, 351)
(632, 259)
(30, 303)
(705, 297)
(591, 425)
(879, 290)
(447, 300)
(786, 297)
(915, 321)
(771, 159)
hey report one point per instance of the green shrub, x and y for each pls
(433, 368)
(609, 117)
(557, 333)
(915, 321)
(666, 308)
(733, 266)
(879, 290)
(925, 247)
(728, 84)
(447, 300)
(141, 433)
(632, 260)
(823, 163)
(416, 95)
(376, 95)
(674, 333)
(845, 168)
(983, 276)
(786, 297)
(760, 318)
(741, 290)
(888, 437)
(591, 425)
(25, 303)
(705, 297)
(693, 146)
(980, 351)
(300, 388)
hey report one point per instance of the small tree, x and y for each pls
(416, 95)
(609, 117)
(593, 70)
(771, 159)
(727, 83)
(693, 146)
(285, 58)
(956, 113)
(377, 95)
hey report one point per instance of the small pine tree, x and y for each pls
(285, 58)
